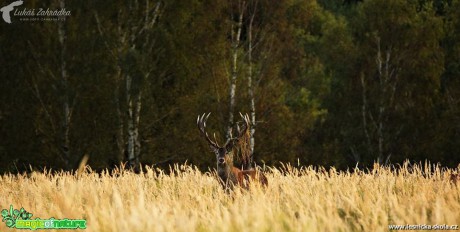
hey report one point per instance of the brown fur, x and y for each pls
(244, 177)
(244, 154)
(231, 176)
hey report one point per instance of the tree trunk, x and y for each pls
(251, 96)
(386, 92)
(137, 142)
(364, 116)
(120, 139)
(66, 106)
(380, 135)
(235, 45)
(131, 157)
(129, 30)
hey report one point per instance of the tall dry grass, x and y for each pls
(304, 199)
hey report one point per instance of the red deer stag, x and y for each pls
(229, 175)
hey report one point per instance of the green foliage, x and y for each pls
(308, 60)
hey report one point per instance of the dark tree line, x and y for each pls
(324, 82)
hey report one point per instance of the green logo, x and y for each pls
(21, 219)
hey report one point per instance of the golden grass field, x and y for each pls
(296, 199)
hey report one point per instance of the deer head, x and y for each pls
(224, 154)
(228, 174)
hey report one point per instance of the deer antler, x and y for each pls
(201, 123)
(245, 126)
(243, 140)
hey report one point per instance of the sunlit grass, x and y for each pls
(296, 199)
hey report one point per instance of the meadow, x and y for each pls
(186, 199)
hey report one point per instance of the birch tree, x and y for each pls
(253, 64)
(252, 41)
(252, 106)
(386, 86)
(398, 64)
(131, 52)
(67, 105)
(236, 29)
(259, 48)
(58, 113)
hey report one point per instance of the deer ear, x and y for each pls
(230, 144)
(213, 148)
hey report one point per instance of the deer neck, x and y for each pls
(225, 172)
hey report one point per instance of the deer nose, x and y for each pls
(221, 160)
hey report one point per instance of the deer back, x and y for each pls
(244, 177)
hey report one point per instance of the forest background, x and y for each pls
(330, 83)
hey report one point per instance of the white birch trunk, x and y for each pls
(386, 88)
(251, 96)
(129, 30)
(235, 44)
(387, 91)
(131, 127)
